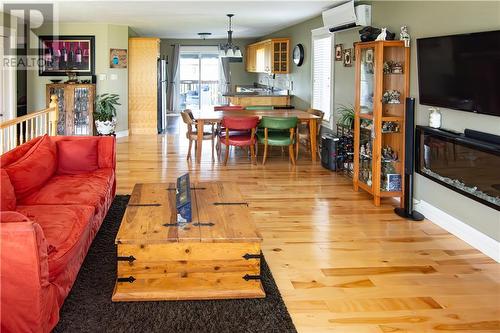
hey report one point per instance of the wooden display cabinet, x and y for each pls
(76, 107)
(382, 85)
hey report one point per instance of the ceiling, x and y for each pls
(184, 19)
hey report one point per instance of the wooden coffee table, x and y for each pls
(217, 256)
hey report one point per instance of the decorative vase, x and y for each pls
(435, 118)
(106, 127)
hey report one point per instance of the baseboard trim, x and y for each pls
(465, 232)
(121, 134)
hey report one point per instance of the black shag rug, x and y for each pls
(88, 307)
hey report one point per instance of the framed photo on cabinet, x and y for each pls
(62, 54)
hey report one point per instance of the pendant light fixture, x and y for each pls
(229, 50)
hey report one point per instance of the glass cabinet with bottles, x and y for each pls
(382, 85)
(76, 107)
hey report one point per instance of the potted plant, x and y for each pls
(105, 113)
(346, 114)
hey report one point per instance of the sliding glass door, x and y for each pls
(199, 77)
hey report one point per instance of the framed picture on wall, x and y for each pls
(61, 54)
(117, 58)
(338, 52)
(348, 57)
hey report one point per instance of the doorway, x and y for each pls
(199, 68)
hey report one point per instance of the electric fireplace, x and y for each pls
(466, 165)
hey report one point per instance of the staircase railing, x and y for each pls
(19, 130)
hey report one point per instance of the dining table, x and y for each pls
(209, 116)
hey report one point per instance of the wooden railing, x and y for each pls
(17, 131)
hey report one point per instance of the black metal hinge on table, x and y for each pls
(249, 277)
(129, 279)
(129, 259)
(231, 204)
(203, 224)
(192, 188)
(248, 256)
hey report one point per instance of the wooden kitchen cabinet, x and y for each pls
(251, 61)
(269, 56)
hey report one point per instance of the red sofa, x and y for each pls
(55, 194)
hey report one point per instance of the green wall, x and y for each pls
(106, 36)
(299, 76)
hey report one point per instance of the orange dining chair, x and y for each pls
(192, 134)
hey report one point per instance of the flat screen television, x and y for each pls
(460, 72)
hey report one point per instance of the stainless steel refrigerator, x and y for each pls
(162, 94)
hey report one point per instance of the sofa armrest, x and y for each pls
(27, 296)
(106, 152)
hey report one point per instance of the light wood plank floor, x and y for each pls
(341, 264)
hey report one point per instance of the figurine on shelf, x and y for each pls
(397, 68)
(388, 154)
(387, 67)
(362, 150)
(393, 67)
(369, 180)
(404, 35)
(435, 118)
(368, 34)
(382, 35)
(390, 127)
(391, 97)
(369, 148)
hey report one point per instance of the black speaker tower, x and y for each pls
(407, 210)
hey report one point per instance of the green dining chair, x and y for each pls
(277, 131)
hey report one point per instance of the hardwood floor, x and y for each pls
(341, 264)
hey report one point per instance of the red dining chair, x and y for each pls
(228, 108)
(244, 137)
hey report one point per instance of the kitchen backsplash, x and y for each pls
(282, 81)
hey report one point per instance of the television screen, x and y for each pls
(460, 72)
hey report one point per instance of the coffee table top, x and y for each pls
(219, 215)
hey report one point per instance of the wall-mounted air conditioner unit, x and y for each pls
(347, 16)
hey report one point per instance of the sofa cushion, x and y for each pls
(8, 195)
(29, 173)
(90, 189)
(63, 226)
(78, 156)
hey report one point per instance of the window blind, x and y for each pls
(322, 69)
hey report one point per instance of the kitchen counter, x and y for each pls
(240, 94)
(245, 99)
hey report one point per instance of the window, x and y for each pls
(322, 72)
(199, 77)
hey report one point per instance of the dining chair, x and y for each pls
(277, 131)
(303, 131)
(192, 135)
(239, 132)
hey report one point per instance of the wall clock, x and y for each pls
(298, 54)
